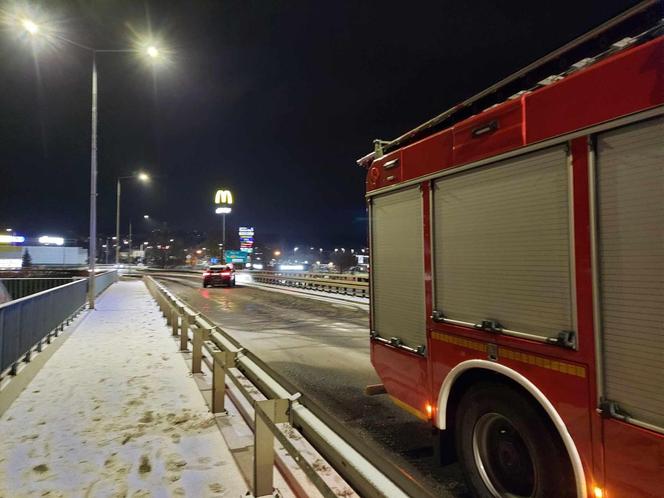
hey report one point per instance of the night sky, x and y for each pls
(274, 100)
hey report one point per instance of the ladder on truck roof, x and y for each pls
(636, 25)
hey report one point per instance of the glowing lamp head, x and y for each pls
(598, 492)
(144, 177)
(152, 52)
(30, 26)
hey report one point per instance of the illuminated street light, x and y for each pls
(141, 176)
(277, 253)
(34, 30)
(30, 26)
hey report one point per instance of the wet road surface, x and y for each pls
(322, 348)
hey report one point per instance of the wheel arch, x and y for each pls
(471, 369)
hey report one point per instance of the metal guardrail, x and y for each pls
(364, 469)
(21, 287)
(336, 283)
(28, 322)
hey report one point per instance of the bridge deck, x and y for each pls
(113, 413)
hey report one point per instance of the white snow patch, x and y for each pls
(115, 413)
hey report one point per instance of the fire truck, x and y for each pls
(517, 280)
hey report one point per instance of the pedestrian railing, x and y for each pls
(278, 411)
(26, 324)
(24, 286)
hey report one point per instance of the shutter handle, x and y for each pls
(437, 316)
(489, 326)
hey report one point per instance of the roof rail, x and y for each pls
(643, 20)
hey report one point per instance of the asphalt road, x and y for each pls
(322, 348)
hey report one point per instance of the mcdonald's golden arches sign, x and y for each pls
(223, 197)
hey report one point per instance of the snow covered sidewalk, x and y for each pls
(114, 413)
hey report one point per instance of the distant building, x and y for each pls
(12, 256)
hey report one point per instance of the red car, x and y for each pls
(219, 275)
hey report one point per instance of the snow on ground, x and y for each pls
(115, 413)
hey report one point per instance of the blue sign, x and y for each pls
(214, 261)
(235, 256)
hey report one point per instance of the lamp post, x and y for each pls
(34, 30)
(224, 200)
(223, 211)
(144, 177)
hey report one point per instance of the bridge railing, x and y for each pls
(239, 375)
(338, 283)
(24, 286)
(28, 322)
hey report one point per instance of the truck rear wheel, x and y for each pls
(507, 447)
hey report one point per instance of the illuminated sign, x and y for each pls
(246, 239)
(222, 210)
(47, 239)
(223, 197)
(11, 239)
(235, 256)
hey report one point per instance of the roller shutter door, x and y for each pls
(397, 267)
(502, 247)
(630, 212)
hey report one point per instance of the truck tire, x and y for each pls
(508, 448)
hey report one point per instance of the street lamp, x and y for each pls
(152, 52)
(30, 26)
(143, 177)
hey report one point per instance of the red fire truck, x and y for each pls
(517, 280)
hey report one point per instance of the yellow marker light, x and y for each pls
(30, 26)
(597, 492)
(429, 409)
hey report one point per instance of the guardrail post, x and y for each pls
(266, 413)
(174, 320)
(221, 360)
(184, 332)
(200, 335)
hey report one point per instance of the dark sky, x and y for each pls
(272, 99)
